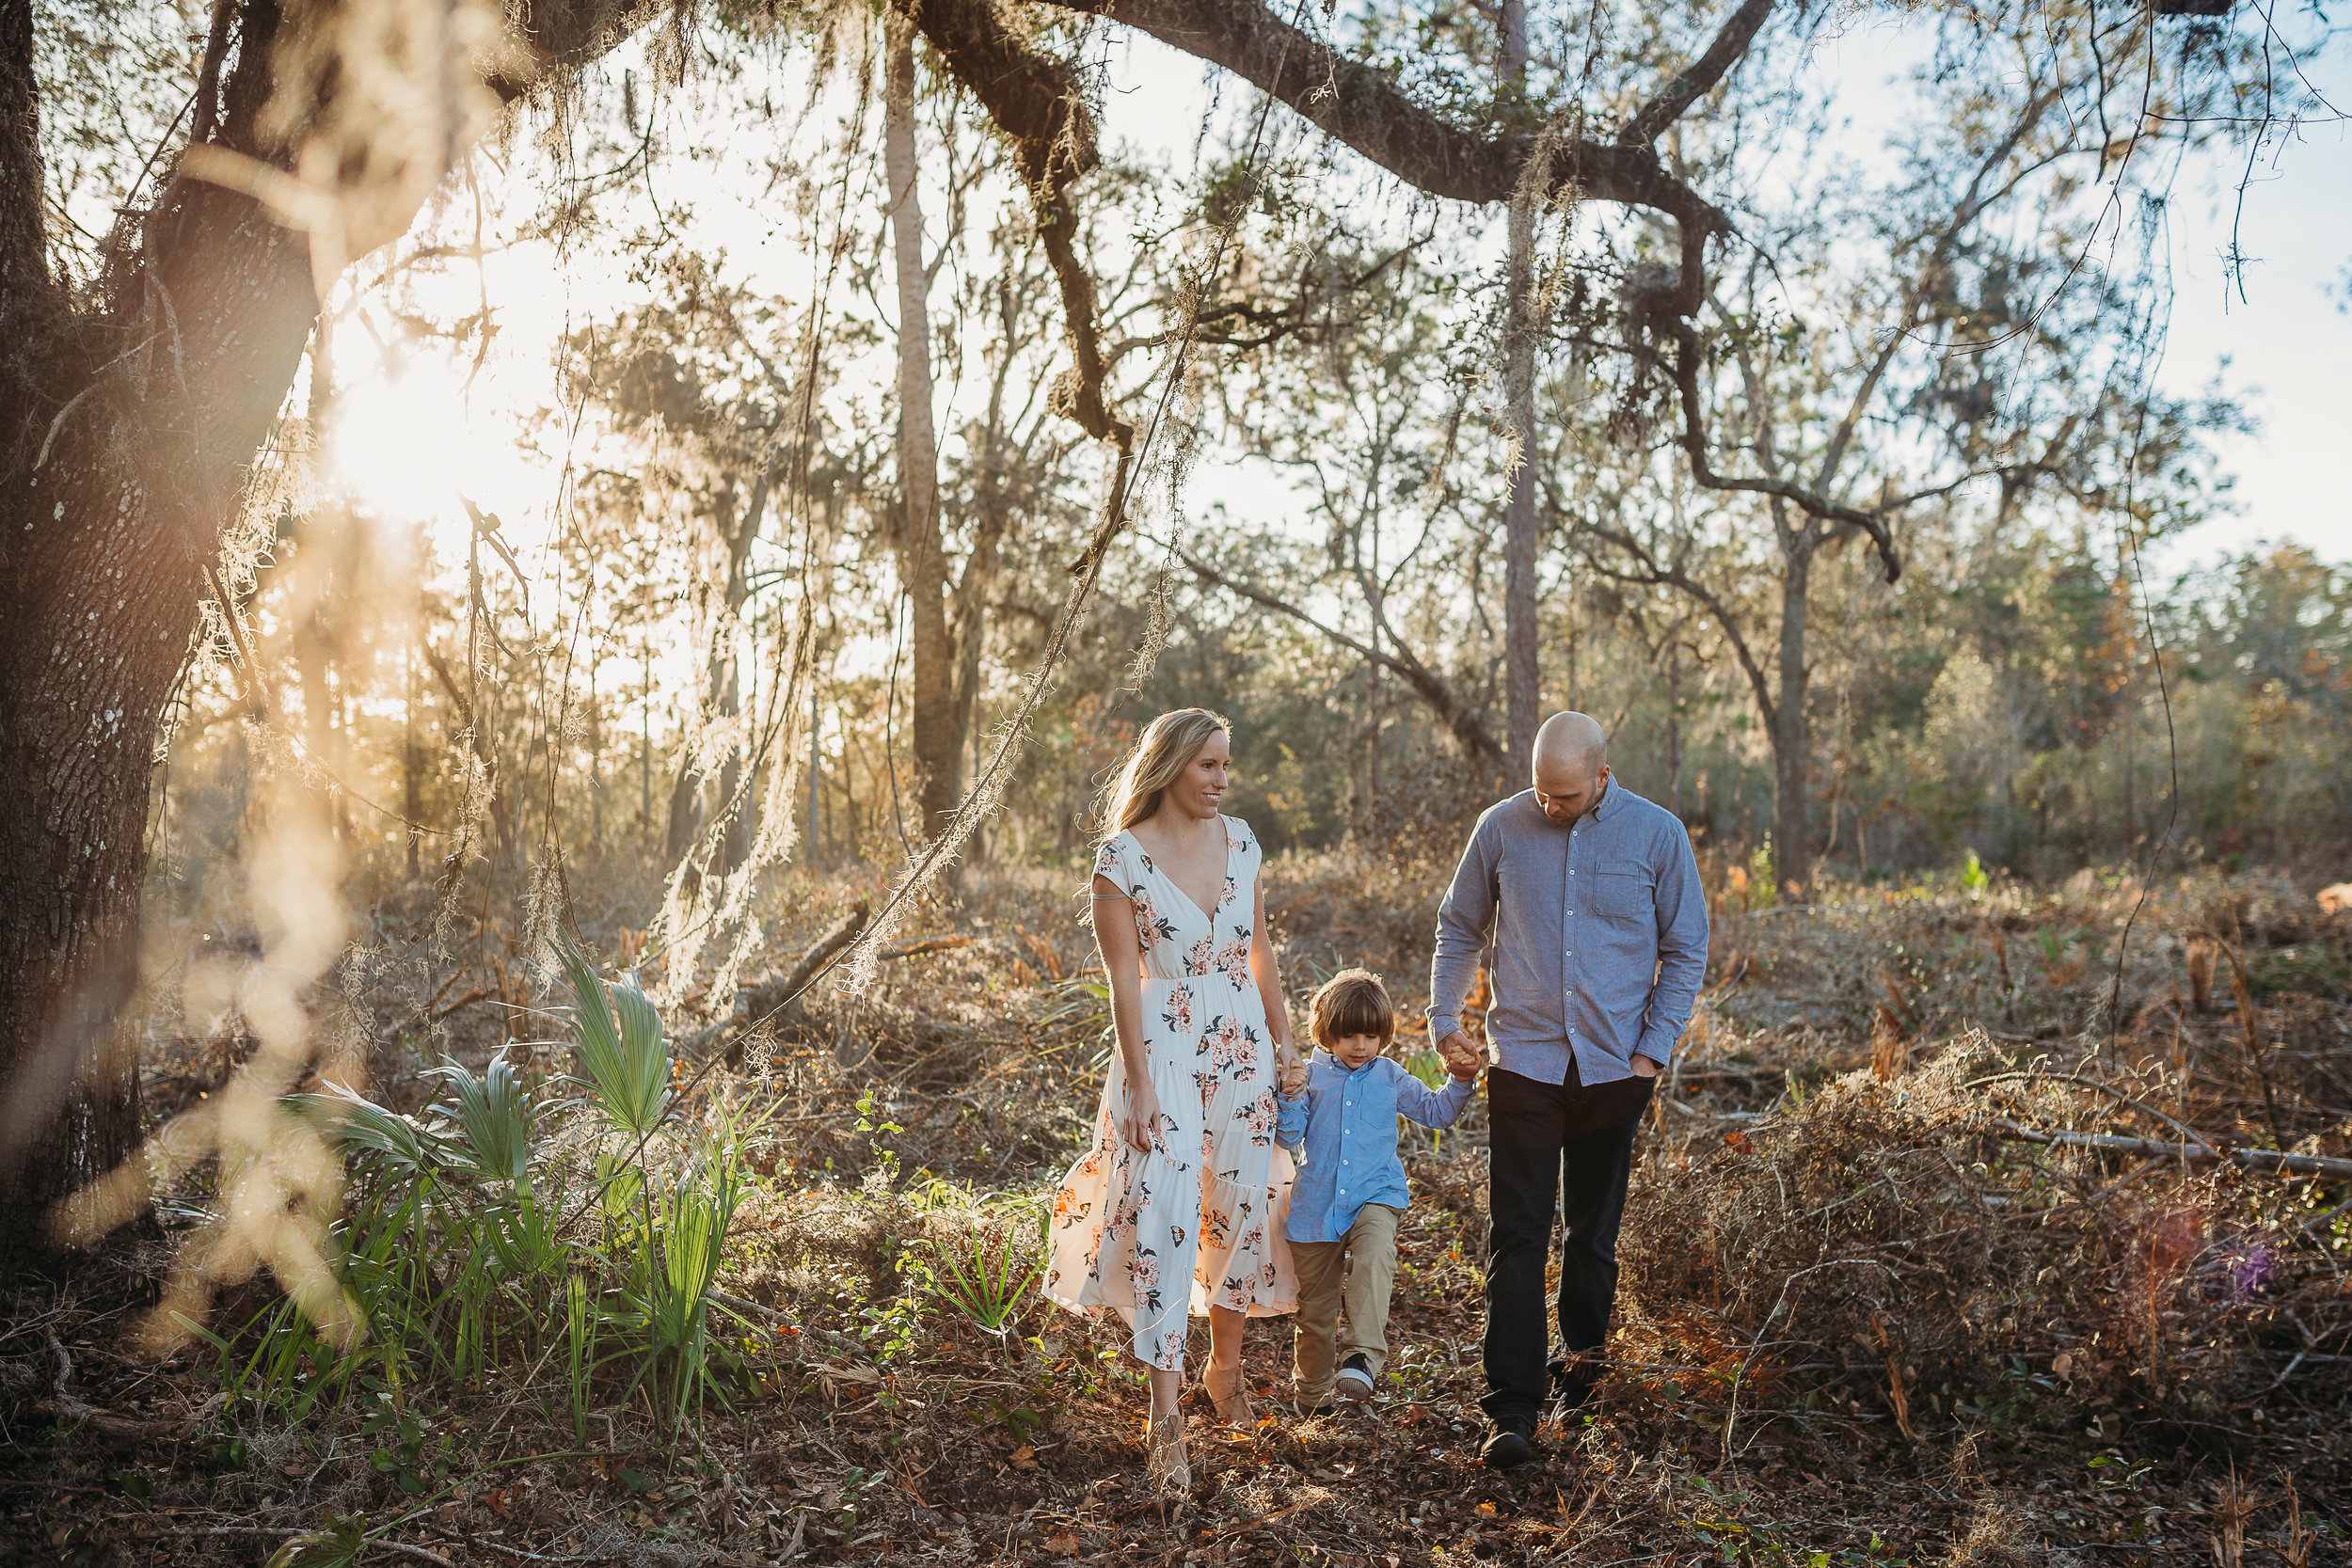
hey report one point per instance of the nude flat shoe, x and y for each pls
(1171, 1468)
(1231, 1404)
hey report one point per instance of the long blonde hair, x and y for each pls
(1163, 752)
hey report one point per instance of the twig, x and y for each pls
(374, 1542)
(2246, 1159)
(2187, 1132)
(66, 1407)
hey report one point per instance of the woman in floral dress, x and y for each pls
(1176, 1207)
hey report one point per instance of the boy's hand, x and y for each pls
(1462, 1059)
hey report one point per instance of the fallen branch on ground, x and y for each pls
(2246, 1159)
(754, 1004)
(128, 1429)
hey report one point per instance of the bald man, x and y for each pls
(1590, 898)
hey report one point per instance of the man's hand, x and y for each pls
(1643, 1067)
(1462, 1059)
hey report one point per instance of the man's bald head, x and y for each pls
(1570, 765)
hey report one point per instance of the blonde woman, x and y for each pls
(1177, 1206)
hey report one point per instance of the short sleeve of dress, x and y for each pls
(1246, 856)
(1109, 861)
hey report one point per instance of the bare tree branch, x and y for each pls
(1464, 726)
(1038, 102)
(1731, 44)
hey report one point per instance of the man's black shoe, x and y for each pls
(1571, 1391)
(1508, 1445)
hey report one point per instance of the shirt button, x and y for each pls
(1572, 871)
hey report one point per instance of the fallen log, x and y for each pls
(754, 1004)
(2246, 1159)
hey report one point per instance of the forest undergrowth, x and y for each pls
(610, 1287)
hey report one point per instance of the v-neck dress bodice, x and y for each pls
(1205, 1201)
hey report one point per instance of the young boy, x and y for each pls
(1343, 1105)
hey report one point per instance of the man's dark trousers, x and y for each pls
(1575, 1143)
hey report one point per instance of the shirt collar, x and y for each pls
(1607, 803)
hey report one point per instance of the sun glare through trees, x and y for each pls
(1019, 781)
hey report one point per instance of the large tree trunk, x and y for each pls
(937, 731)
(1792, 838)
(127, 430)
(1522, 664)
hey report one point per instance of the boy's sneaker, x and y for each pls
(1355, 1379)
(1512, 1442)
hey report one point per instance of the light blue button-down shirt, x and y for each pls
(1347, 1121)
(1599, 933)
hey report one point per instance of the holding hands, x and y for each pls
(1292, 1068)
(1462, 1059)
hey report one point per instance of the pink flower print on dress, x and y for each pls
(1149, 922)
(1197, 961)
(1144, 1269)
(1178, 1015)
(1232, 962)
(1106, 861)
(1229, 1043)
(1259, 1118)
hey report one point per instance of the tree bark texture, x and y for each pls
(128, 428)
(1792, 800)
(935, 735)
(1522, 636)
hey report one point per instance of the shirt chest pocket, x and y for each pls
(1622, 895)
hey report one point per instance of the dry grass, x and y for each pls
(1859, 1326)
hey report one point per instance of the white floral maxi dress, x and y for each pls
(1205, 1204)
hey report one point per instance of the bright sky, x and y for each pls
(2288, 343)
(2284, 349)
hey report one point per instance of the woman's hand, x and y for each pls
(1140, 1126)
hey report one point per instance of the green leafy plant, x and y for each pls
(625, 1058)
(468, 1257)
(988, 1274)
(1972, 880)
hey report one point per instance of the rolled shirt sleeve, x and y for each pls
(1416, 1101)
(1681, 951)
(1464, 920)
(1289, 1119)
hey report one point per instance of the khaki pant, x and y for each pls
(1357, 1272)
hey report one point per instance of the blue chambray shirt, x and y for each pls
(1599, 934)
(1347, 1121)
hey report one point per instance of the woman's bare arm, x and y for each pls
(1115, 939)
(1267, 971)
